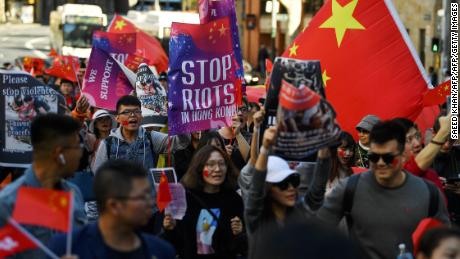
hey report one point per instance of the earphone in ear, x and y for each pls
(62, 159)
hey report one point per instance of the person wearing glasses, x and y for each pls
(212, 226)
(384, 205)
(364, 128)
(272, 199)
(124, 198)
(56, 156)
(131, 142)
(418, 159)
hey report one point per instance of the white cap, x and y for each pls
(99, 114)
(277, 170)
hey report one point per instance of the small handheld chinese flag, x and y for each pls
(53, 53)
(164, 193)
(437, 95)
(64, 67)
(13, 241)
(50, 208)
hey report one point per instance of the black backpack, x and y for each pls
(349, 195)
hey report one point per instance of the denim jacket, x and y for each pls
(8, 200)
(140, 150)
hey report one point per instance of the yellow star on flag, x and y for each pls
(293, 50)
(342, 20)
(63, 202)
(325, 78)
(119, 24)
(222, 30)
(446, 88)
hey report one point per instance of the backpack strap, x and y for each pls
(434, 199)
(348, 198)
(155, 156)
(108, 144)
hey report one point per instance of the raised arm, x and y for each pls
(425, 158)
(315, 195)
(254, 202)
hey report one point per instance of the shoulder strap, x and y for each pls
(434, 199)
(349, 196)
(155, 156)
(108, 144)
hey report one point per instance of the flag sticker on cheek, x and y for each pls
(205, 172)
(124, 123)
(341, 153)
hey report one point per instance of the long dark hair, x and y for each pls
(208, 137)
(347, 141)
(193, 178)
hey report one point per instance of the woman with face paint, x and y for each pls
(342, 160)
(212, 226)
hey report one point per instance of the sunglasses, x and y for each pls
(387, 157)
(293, 179)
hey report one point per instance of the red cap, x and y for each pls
(293, 98)
(424, 225)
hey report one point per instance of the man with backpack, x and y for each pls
(131, 142)
(383, 206)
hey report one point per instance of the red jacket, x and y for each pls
(429, 174)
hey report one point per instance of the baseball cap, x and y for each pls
(368, 122)
(277, 170)
(99, 114)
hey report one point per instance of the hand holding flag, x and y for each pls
(164, 193)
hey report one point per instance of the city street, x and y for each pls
(18, 40)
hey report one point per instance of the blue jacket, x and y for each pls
(8, 200)
(87, 243)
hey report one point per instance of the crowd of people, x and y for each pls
(359, 199)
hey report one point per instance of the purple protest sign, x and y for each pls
(203, 86)
(211, 10)
(106, 80)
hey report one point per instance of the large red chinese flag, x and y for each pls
(13, 241)
(43, 207)
(147, 46)
(164, 193)
(368, 63)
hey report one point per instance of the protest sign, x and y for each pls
(178, 205)
(106, 80)
(305, 120)
(211, 10)
(22, 99)
(156, 173)
(152, 96)
(203, 85)
(65, 67)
